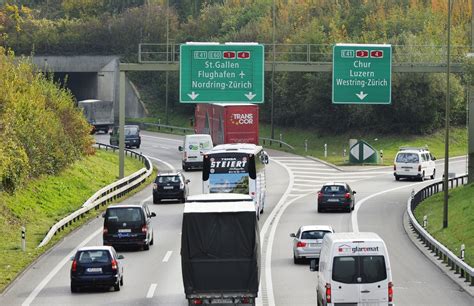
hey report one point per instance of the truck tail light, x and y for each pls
(300, 244)
(390, 291)
(114, 264)
(328, 293)
(74, 266)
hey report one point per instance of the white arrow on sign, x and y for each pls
(250, 95)
(193, 95)
(361, 95)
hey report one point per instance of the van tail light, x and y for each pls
(300, 244)
(105, 231)
(328, 293)
(197, 302)
(419, 168)
(74, 266)
(144, 229)
(114, 264)
(390, 292)
(347, 195)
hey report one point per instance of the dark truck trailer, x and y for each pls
(220, 253)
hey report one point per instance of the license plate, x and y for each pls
(124, 230)
(94, 270)
(333, 200)
(222, 301)
(312, 245)
(168, 187)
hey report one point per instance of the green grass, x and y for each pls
(460, 220)
(46, 200)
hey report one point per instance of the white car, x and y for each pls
(417, 163)
(308, 240)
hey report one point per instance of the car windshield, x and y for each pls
(337, 189)
(407, 158)
(91, 256)
(129, 214)
(313, 234)
(168, 179)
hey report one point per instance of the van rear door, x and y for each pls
(374, 281)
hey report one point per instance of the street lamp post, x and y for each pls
(273, 72)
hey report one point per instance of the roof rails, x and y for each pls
(425, 148)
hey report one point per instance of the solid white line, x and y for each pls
(56, 269)
(162, 161)
(167, 256)
(151, 291)
(355, 225)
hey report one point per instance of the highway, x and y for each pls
(154, 277)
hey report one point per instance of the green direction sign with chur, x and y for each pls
(229, 73)
(361, 74)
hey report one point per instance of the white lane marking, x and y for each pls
(146, 200)
(151, 291)
(167, 256)
(355, 225)
(270, 222)
(56, 269)
(163, 162)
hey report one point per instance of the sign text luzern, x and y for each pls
(229, 73)
(362, 74)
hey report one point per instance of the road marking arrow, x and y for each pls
(250, 95)
(361, 95)
(193, 95)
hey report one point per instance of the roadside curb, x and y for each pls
(432, 256)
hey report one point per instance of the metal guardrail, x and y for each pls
(170, 127)
(443, 253)
(281, 143)
(104, 195)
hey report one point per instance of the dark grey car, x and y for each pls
(336, 196)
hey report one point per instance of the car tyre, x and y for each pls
(397, 178)
(146, 247)
(152, 239)
(121, 281)
(117, 286)
(422, 178)
(320, 210)
(74, 289)
(434, 174)
(296, 260)
(156, 200)
(183, 199)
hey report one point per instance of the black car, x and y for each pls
(132, 136)
(170, 186)
(96, 266)
(336, 196)
(128, 225)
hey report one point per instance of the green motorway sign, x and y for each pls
(228, 73)
(362, 74)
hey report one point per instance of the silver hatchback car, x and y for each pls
(308, 240)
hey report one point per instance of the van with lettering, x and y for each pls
(354, 269)
(227, 123)
(193, 148)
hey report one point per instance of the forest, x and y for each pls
(71, 27)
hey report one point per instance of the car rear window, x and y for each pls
(168, 179)
(131, 131)
(98, 256)
(359, 269)
(313, 234)
(127, 214)
(336, 189)
(407, 158)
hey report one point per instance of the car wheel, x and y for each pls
(353, 206)
(74, 288)
(397, 178)
(182, 200)
(152, 239)
(117, 286)
(121, 281)
(146, 247)
(320, 209)
(295, 260)
(434, 174)
(138, 147)
(422, 178)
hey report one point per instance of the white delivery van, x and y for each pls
(193, 148)
(354, 269)
(415, 163)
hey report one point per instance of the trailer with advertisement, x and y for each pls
(227, 123)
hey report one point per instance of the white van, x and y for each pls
(415, 163)
(354, 269)
(193, 148)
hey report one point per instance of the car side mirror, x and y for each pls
(293, 235)
(180, 148)
(153, 214)
(434, 158)
(120, 256)
(354, 192)
(187, 181)
(72, 258)
(313, 266)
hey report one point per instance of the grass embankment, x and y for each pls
(460, 220)
(48, 199)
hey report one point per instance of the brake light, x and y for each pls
(114, 264)
(197, 301)
(300, 244)
(328, 293)
(74, 266)
(390, 291)
(144, 228)
(347, 195)
(419, 167)
(155, 186)
(394, 167)
(105, 231)
(320, 196)
(245, 300)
